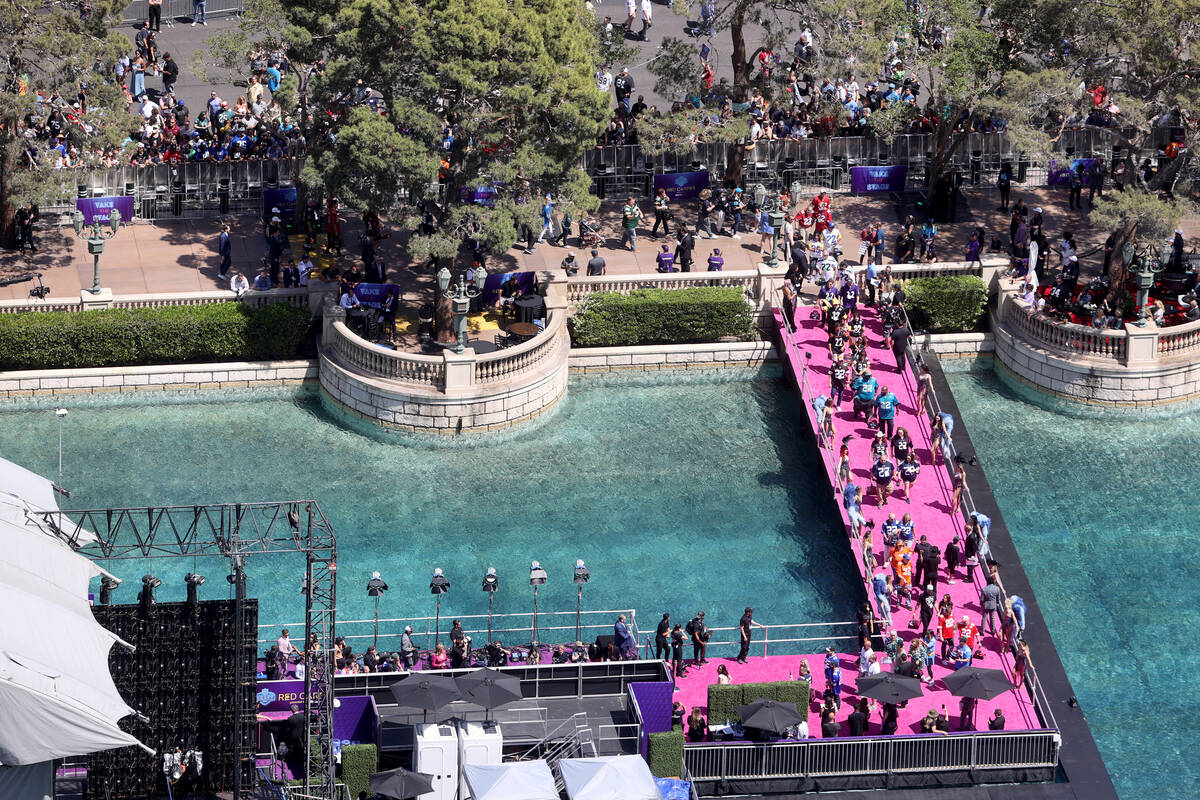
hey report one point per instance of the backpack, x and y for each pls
(691, 626)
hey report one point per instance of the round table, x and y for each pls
(522, 331)
(530, 307)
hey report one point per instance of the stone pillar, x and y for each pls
(92, 302)
(318, 291)
(460, 369)
(1141, 342)
(769, 282)
(331, 313)
(553, 287)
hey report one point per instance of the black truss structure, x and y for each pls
(235, 531)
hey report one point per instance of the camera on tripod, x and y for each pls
(41, 291)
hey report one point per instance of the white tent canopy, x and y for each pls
(517, 780)
(23, 494)
(608, 778)
(57, 697)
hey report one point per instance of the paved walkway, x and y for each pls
(180, 255)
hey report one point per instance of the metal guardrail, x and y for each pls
(504, 626)
(813, 758)
(582, 679)
(173, 10)
(580, 288)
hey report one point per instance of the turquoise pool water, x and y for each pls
(680, 496)
(1102, 510)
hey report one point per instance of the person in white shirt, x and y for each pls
(238, 284)
(647, 18)
(306, 267)
(349, 300)
(630, 13)
(286, 648)
(604, 79)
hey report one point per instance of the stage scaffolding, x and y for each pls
(236, 531)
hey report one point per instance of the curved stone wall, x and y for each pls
(1135, 367)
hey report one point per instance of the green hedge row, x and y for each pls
(947, 303)
(662, 316)
(139, 336)
(723, 701)
(359, 761)
(664, 751)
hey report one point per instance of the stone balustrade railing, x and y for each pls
(376, 361)
(298, 297)
(448, 371)
(1066, 338)
(579, 289)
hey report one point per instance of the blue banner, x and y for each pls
(95, 209)
(372, 294)
(681, 185)
(1058, 173)
(878, 179)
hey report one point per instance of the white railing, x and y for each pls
(504, 364)
(1084, 341)
(371, 359)
(579, 289)
(295, 297)
(1179, 340)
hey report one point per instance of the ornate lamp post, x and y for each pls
(96, 236)
(460, 296)
(767, 201)
(1145, 263)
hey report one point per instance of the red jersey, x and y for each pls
(946, 628)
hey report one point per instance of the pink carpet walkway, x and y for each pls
(930, 508)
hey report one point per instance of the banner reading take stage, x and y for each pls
(878, 179)
(95, 209)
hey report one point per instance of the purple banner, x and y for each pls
(878, 179)
(285, 201)
(681, 185)
(482, 195)
(491, 287)
(372, 294)
(95, 209)
(280, 696)
(1058, 173)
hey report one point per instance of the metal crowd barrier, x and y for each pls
(177, 10)
(191, 189)
(915, 755)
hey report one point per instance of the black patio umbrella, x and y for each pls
(769, 715)
(490, 688)
(400, 784)
(425, 691)
(978, 682)
(888, 687)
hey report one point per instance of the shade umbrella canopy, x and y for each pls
(981, 683)
(608, 778)
(490, 688)
(401, 784)
(888, 687)
(769, 715)
(425, 691)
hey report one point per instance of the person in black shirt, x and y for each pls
(928, 601)
(909, 470)
(700, 636)
(882, 471)
(858, 720)
(660, 637)
(745, 624)
(677, 639)
(838, 372)
(683, 250)
(996, 723)
(371, 659)
(901, 444)
(170, 74)
(891, 719)
(830, 727)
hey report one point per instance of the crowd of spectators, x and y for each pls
(163, 127)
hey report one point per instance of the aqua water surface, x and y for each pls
(1102, 511)
(680, 496)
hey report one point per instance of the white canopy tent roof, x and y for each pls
(608, 778)
(517, 780)
(24, 493)
(57, 697)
